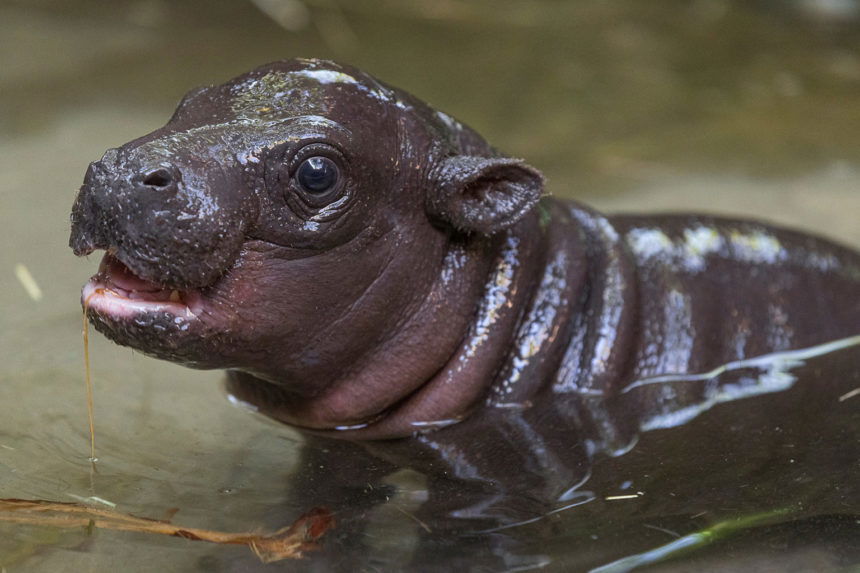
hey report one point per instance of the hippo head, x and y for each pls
(285, 222)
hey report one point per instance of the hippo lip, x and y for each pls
(117, 292)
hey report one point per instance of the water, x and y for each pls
(746, 108)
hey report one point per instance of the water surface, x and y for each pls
(744, 108)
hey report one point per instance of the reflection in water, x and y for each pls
(762, 453)
(733, 381)
(745, 448)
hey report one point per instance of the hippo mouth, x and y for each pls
(117, 292)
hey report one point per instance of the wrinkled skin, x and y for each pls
(432, 279)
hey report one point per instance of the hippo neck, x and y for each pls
(510, 285)
(556, 275)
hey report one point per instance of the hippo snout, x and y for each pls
(176, 225)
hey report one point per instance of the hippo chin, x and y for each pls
(367, 267)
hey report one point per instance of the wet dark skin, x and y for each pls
(366, 267)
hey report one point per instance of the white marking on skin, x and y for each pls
(822, 262)
(584, 377)
(455, 260)
(320, 121)
(678, 333)
(703, 240)
(246, 157)
(699, 242)
(649, 243)
(758, 247)
(327, 76)
(497, 294)
(449, 121)
(570, 369)
(539, 329)
(690, 253)
(612, 301)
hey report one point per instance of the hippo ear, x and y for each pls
(483, 194)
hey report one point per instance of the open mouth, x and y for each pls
(117, 292)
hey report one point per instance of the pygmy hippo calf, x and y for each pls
(367, 267)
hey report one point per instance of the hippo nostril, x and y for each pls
(159, 178)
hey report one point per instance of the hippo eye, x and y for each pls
(317, 175)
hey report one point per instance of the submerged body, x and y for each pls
(368, 268)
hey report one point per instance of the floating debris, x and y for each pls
(287, 543)
(850, 394)
(22, 273)
(636, 495)
(716, 532)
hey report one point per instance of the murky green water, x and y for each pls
(747, 108)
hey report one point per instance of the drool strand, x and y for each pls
(89, 382)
